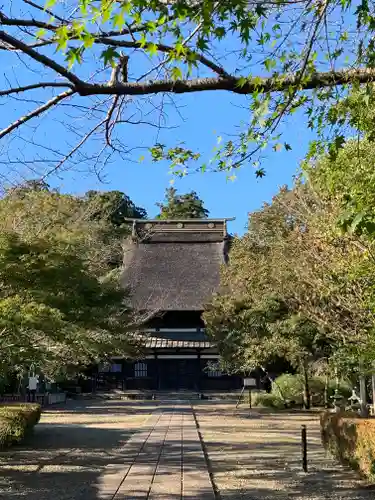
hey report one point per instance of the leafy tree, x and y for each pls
(29, 185)
(93, 222)
(114, 206)
(321, 279)
(182, 206)
(247, 48)
(54, 312)
(61, 302)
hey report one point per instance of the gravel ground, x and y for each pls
(253, 456)
(257, 456)
(69, 450)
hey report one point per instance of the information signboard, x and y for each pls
(249, 382)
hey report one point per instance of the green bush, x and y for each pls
(268, 400)
(291, 387)
(351, 440)
(16, 422)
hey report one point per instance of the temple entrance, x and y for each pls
(176, 374)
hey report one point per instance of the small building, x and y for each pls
(171, 270)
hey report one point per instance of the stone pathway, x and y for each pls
(109, 450)
(163, 461)
(124, 450)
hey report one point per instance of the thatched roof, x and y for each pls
(174, 265)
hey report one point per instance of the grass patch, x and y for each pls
(351, 440)
(16, 422)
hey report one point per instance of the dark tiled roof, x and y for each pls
(180, 335)
(171, 268)
(160, 343)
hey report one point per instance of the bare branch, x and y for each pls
(46, 61)
(162, 48)
(74, 150)
(43, 9)
(33, 86)
(27, 23)
(49, 104)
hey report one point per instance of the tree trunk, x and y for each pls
(306, 388)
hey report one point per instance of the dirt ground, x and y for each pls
(256, 455)
(252, 455)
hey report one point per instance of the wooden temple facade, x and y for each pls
(171, 270)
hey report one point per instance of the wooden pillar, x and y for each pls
(199, 369)
(157, 361)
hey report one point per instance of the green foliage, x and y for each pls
(228, 40)
(350, 440)
(300, 283)
(113, 206)
(61, 303)
(350, 179)
(16, 422)
(182, 206)
(269, 401)
(292, 389)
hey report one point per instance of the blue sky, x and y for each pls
(205, 116)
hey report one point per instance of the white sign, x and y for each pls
(33, 383)
(249, 382)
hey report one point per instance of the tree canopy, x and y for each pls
(114, 206)
(120, 63)
(182, 206)
(61, 303)
(300, 282)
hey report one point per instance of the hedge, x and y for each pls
(268, 400)
(351, 440)
(17, 421)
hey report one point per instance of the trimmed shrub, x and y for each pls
(291, 387)
(16, 422)
(351, 440)
(268, 400)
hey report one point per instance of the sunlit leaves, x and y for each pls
(152, 49)
(109, 56)
(74, 55)
(176, 73)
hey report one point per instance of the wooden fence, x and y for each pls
(42, 399)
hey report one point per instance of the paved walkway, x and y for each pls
(109, 450)
(124, 450)
(163, 461)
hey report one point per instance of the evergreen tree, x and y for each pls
(182, 206)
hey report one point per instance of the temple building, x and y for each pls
(171, 270)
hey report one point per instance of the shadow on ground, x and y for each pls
(258, 456)
(71, 450)
(254, 458)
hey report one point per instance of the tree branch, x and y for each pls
(43, 9)
(27, 23)
(33, 23)
(36, 112)
(162, 48)
(46, 61)
(233, 84)
(33, 86)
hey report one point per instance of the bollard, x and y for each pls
(304, 447)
